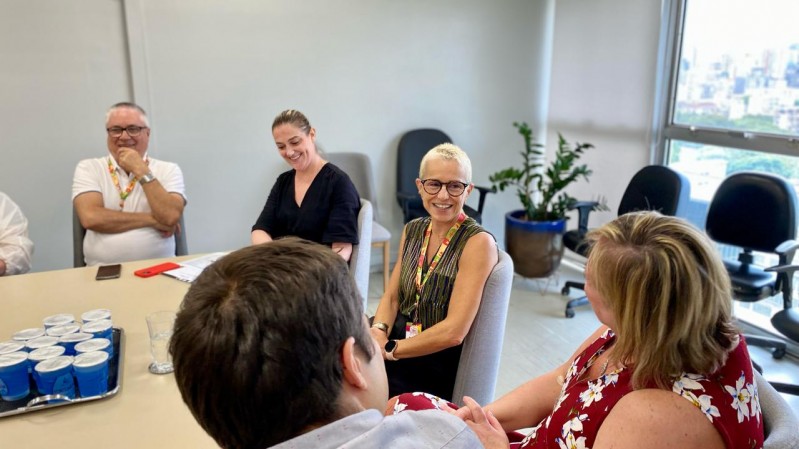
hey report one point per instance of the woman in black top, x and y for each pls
(315, 200)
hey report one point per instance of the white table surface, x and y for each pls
(148, 412)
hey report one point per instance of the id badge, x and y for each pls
(412, 330)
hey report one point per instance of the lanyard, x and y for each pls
(421, 280)
(122, 195)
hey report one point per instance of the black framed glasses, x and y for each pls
(454, 188)
(133, 130)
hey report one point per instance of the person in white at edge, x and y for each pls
(129, 203)
(16, 248)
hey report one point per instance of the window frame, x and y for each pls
(665, 130)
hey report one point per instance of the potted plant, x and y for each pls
(534, 234)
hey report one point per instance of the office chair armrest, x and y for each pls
(481, 201)
(584, 209)
(784, 282)
(786, 251)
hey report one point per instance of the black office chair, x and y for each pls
(757, 212)
(411, 149)
(654, 187)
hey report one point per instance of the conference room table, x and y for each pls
(148, 411)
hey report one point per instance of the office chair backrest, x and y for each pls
(358, 167)
(362, 252)
(478, 368)
(79, 233)
(656, 187)
(754, 211)
(181, 246)
(411, 149)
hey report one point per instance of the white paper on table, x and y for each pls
(190, 269)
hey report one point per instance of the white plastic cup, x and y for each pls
(58, 320)
(95, 344)
(62, 329)
(99, 329)
(28, 334)
(42, 354)
(7, 347)
(69, 341)
(95, 315)
(41, 342)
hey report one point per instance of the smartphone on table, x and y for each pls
(108, 272)
(156, 269)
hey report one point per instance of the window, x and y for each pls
(729, 101)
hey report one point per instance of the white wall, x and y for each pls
(602, 90)
(63, 64)
(214, 74)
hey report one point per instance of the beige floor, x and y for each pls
(538, 337)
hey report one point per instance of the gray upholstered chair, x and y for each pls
(79, 232)
(358, 167)
(479, 364)
(362, 254)
(780, 422)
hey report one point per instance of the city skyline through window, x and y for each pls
(733, 105)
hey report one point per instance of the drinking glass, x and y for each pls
(160, 326)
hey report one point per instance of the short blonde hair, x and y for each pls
(449, 152)
(669, 293)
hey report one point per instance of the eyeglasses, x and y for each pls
(454, 188)
(132, 130)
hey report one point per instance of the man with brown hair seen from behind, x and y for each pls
(271, 348)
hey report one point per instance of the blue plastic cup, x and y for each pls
(99, 329)
(95, 315)
(58, 320)
(91, 372)
(14, 383)
(54, 376)
(7, 347)
(69, 341)
(62, 329)
(95, 344)
(41, 342)
(42, 354)
(28, 334)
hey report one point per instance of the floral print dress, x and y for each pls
(728, 398)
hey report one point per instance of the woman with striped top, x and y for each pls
(435, 288)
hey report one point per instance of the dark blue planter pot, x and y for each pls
(536, 247)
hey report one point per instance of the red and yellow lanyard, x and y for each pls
(131, 185)
(421, 280)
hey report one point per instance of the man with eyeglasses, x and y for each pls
(129, 202)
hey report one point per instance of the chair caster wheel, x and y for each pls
(778, 353)
(564, 291)
(569, 313)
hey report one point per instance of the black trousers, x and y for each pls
(433, 373)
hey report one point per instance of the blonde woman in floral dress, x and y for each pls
(666, 369)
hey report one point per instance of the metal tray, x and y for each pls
(33, 402)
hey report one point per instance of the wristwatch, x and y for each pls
(381, 325)
(390, 347)
(147, 178)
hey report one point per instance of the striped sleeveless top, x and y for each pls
(436, 292)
